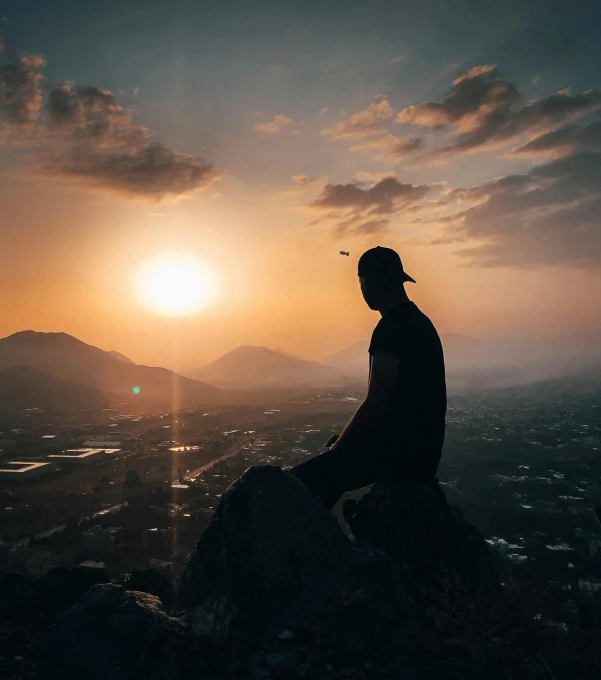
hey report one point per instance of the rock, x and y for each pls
(413, 524)
(271, 556)
(62, 587)
(114, 634)
(152, 582)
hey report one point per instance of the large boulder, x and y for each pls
(271, 556)
(429, 539)
(114, 634)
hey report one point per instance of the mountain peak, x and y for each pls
(40, 337)
(256, 365)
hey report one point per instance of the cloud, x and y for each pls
(548, 216)
(361, 210)
(20, 92)
(83, 134)
(365, 176)
(370, 228)
(275, 125)
(386, 196)
(361, 124)
(565, 140)
(484, 111)
(390, 147)
(397, 60)
(303, 180)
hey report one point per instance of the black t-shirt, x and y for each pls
(411, 436)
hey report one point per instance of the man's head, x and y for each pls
(381, 276)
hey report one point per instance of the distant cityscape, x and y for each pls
(125, 491)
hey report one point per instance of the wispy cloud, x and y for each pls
(303, 180)
(391, 148)
(483, 110)
(275, 125)
(548, 216)
(361, 124)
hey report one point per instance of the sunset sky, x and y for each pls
(262, 138)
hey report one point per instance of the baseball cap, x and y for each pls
(381, 263)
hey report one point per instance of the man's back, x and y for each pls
(411, 434)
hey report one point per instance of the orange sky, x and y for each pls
(395, 146)
(73, 263)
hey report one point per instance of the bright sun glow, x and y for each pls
(175, 284)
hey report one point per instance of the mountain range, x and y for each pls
(56, 370)
(23, 387)
(58, 358)
(500, 361)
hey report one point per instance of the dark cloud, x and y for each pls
(149, 171)
(358, 210)
(549, 216)
(483, 110)
(20, 93)
(83, 133)
(565, 140)
(386, 196)
(362, 124)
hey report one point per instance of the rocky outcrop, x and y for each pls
(429, 539)
(115, 634)
(271, 556)
(277, 589)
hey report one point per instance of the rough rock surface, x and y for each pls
(419, 530)
(114, 634)
(271, 555)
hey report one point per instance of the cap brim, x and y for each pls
(406, 278)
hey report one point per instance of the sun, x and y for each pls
(175, 284)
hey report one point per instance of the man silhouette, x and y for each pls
(398, 430)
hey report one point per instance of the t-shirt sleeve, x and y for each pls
(385, 338)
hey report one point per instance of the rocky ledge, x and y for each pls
(274, 588)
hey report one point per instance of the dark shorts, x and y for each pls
(332, 473)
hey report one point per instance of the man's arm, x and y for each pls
(384, 370)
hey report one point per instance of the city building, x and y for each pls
(16, 470)
(86, 456)
(101, 444)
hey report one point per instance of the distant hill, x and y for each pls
(23, 387)
(510, 360)
(352, 360)
(250, 366)
(63, 356)
(121, 357)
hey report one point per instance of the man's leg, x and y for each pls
(331, 473)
